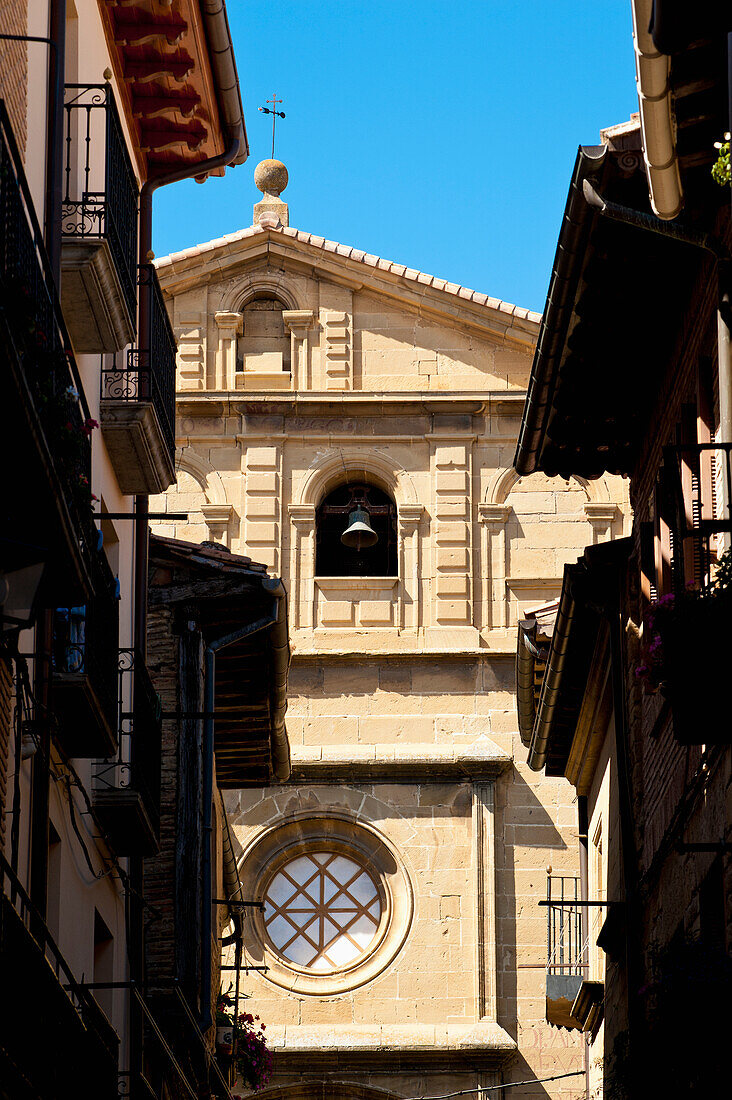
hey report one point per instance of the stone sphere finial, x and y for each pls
(270, 176)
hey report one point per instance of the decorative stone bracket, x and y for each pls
(217, 518)
(601, 517)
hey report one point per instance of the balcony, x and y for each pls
(46, 420)
(127, 789)
(84, 678)
(138, 398)
(55, 1039)
(99, 223)
(692, 623)
(566, 967)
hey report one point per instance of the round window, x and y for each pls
(337, 904)
(322, 911)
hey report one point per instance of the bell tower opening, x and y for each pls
(343, 545)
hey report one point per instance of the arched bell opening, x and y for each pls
(353, 511)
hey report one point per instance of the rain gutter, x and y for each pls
(551, 685)
(652, 70)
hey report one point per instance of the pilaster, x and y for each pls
(230, 326)
(494, 552)
(302, 564)
(262, 482)
(299, 322)
(409, 602)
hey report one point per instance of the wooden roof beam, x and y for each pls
(158, 67)
(168, 136)
(163, 102)
(131, 32)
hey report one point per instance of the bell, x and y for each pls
(359, 534)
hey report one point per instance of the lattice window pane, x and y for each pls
(322, 911)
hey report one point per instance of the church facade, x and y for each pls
(322, 389)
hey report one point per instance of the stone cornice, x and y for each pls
(391, 1046)
(349, 402)
(397, 763)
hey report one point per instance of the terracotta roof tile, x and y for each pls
(356, 255)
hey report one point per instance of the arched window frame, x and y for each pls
(320, 479)
(381, 507)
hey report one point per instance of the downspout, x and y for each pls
(202, 168)
(277, 622)
(582, 836)
(55, 137)
(710, 244)
(633, 946)
(237, 138)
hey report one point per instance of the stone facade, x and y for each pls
(406, 755)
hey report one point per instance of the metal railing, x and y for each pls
(100, 190)
(565, 944)
(700, 488)
(147, 372)
(39, 937)
(86, 639)
(31, 313)
(137, 765)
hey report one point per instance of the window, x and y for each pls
(332, 558)
(322, 911)
(337, 904)
(265, 343)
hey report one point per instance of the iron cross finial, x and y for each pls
(275, 115)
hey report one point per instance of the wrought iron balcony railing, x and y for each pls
(143, 380)
(46, 992)
(566, 955)
(85, 656)
(41, 364)
(127, 788)
(100, 190)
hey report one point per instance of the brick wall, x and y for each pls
(14, 66)
(671, 803)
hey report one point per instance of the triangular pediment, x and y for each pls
(295, 250)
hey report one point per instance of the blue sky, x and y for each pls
(435, 134)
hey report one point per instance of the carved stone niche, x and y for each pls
(263, 359)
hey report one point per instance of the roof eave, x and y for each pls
(568, 262)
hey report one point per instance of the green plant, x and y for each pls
(721, 167)
(252, 1057)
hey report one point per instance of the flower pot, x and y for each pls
(225, 1040)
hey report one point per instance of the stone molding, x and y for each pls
(357, 839)
(396, 1046)
(398, 764)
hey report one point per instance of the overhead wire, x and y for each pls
(492, 1088)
